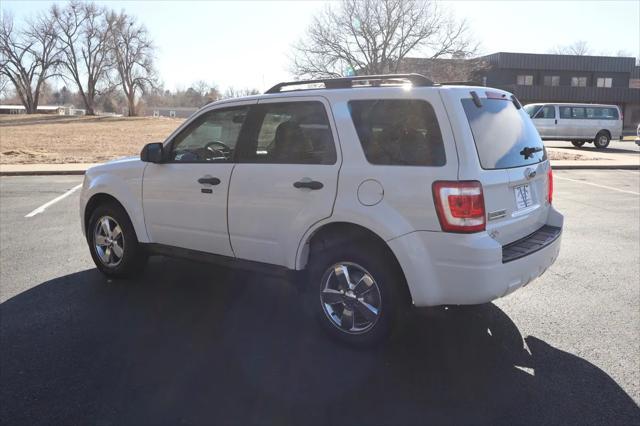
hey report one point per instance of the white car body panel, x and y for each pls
(121, 179)
(261, 191)
(255, 214)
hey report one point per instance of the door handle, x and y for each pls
(556, 121)
(311, 184)
(209, 180)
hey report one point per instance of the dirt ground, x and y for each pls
(63, 139)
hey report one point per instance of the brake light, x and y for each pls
(550, 185)
(460, 206)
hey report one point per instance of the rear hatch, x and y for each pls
(512, 160)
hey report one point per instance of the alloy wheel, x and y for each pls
(350, 298)
(108, 241)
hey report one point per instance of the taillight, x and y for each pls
(550, 185)
(460, 206)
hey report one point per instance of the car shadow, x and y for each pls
(194, 344)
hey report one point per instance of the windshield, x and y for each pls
(531, 109)
(505, 137)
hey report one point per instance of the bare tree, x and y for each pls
(83, 32)
(132, 52)
(373, 36)
(28, 57)
(232, 92)
(579, 48)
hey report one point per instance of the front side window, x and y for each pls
(579, 81)
(547, 111)
(399, 132)
(552, 80)
(211, 137)
(290, 133)
(525, 80)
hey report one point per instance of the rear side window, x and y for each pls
(599, 113)
(505, 137)
(290, 133)
(401, 132)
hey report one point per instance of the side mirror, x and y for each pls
(152, 153)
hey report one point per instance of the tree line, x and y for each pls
(95, 48)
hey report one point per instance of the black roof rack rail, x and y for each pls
(347, 82)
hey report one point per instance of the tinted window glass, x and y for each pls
(532, 109)
(212, 137)
(501, 133)
(598, 113)
(565, 112)
(398, 132)
(291, 133)
(546, 112)
(577, 113)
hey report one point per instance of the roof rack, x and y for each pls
(347, 82)
(460, 83)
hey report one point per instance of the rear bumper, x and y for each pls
(458, 269)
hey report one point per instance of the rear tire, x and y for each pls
(113, 243)
(355, 292)
(602, 140)
(577, 144)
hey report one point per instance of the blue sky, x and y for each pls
(247, 43)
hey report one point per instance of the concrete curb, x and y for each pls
(595, 166)
(42, 172)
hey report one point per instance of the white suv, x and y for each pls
(380, 190)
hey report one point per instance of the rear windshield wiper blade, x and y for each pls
(529, 151)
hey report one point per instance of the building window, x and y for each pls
(525, 80)
(552, 80)
(579, 81)
(604, 82)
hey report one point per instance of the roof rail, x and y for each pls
(460, 83)
(347, 82)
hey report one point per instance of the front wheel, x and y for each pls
(355, 293)
(602, 140)
(577, 144)
(113, 243)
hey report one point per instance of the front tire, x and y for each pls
(355, 293)
(577, 144)
(602, 140)
(113, 243)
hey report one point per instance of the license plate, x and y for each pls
(523, 196)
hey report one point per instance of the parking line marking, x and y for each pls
(599, 186)
(55, 200)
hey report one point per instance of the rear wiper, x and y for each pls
(529, 151)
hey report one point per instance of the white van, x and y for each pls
(578, 123)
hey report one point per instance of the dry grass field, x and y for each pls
(62, 139)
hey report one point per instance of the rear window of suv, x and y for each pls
(398, 132)
(504, 135)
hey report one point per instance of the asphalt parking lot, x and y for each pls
(195, 344)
